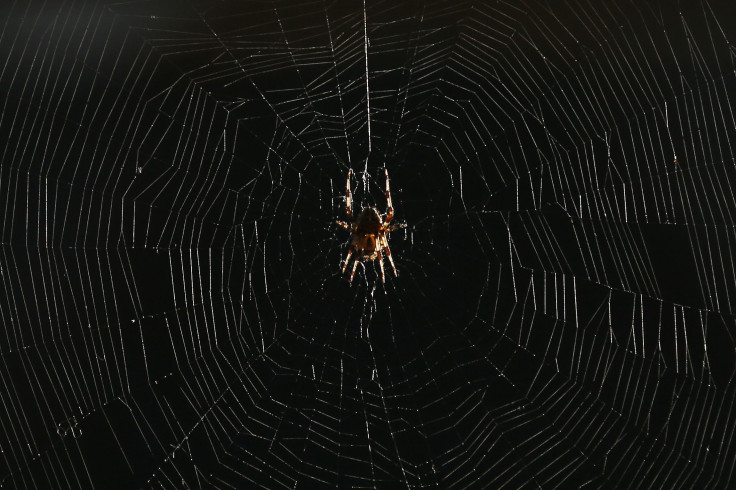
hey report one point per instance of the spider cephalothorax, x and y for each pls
(369, 232)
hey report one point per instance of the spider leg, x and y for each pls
(355, 265)
(390, 211)
(348, 198)
(344, 224)
(380, 261)
(395, 226)
(347, 260)
(388, 253)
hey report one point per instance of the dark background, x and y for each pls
(173, 310)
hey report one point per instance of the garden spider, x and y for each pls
(369, 232)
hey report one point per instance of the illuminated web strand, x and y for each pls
(367, 87)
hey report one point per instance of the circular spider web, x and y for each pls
(174, 310)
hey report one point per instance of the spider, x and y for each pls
(369, 232)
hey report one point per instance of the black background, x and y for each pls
(173, 308)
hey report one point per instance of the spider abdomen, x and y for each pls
(366, 246)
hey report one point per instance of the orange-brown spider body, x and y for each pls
(369, 232)
(366, 234)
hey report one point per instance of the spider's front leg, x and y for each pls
(348, 198)
(390, 210)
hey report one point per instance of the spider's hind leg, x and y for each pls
(390, 259)
(347, 261)
(380, 262)
(355, 265)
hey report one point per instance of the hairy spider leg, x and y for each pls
(395, 226)
(345, 225)
(355, 265)
(380, 261)
(347, 260)
(390, 211)
(388, 253)
(348, 198)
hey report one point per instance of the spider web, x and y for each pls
(173, 308)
